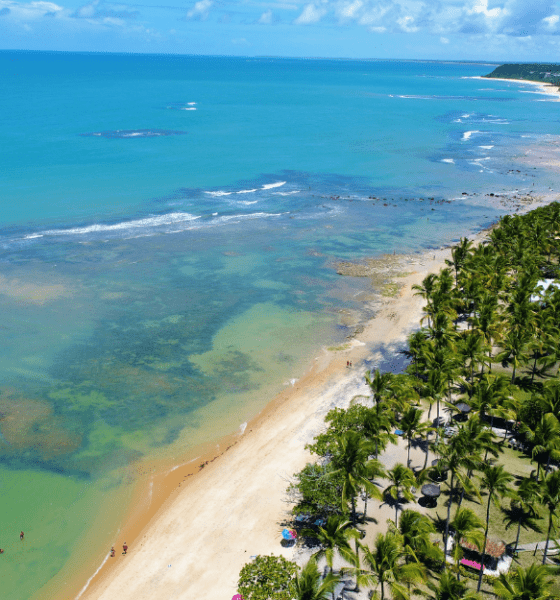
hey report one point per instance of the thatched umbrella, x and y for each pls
(431, 490)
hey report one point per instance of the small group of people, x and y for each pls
(21, 536)
(348, 363)
(124, 547)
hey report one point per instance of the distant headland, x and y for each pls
(539, 72)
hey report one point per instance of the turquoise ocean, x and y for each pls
(169, 230)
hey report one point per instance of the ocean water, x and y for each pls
(169, 231)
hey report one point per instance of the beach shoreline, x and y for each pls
(172, 489)
(191, 526)
(547, 88)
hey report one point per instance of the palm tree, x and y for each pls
(472, 349)
(532, 583)
(521, 510)
(415, 530)
(384, 567)
(550, 497)
(514, 344)
(449, 588)
(309, 585)
(459, 254)
(455, 457)
(496, 481)
(546, 439)
(378, 428)
(401, 480)
(490, 392)
(426, 290)
(411, 424)
(350, 459)
(334, 538)
(466, 526)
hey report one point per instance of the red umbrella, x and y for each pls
(237, 597)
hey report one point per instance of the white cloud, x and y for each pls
(407, 24)
(552, 21)
(311, 14)
(200, 10)
(481, 7)
(266, 18)
(240, 42)
(444, 40)
(349, 10)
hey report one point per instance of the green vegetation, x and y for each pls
(543, 72)
(491, 340)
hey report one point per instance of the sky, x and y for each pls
(479, 30)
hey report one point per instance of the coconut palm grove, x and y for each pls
(478, 516)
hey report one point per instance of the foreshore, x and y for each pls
(236, 506)
(546, 88)
(192, 529)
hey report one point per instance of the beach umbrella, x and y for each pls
(289, 534)
(463, 407)
(237, 597)
(431, 490)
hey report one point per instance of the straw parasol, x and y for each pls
(431, 490)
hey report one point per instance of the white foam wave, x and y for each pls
(242, 428)
(467, 134)
(219, 193)
(247, 202)
(246, 191)
(169, 219)
(191, 103)
(257, 215)
(135, 134)
(486, 147)
(417, 97)
(286, 193)
(188, 108)
(91, 578)
(269, 186)
(448, 160)
(32, 236)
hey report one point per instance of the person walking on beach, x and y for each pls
(125, 548)
(112, 551)
(21, 536)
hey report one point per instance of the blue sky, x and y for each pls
(497, 30)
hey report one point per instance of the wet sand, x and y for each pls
(546, 88)
(209, 524)
(192, 527)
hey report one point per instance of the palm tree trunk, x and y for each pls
(547, 537)
(485, 540)
(517, 538)
(448, 514)
(365, 509)
(408, 453)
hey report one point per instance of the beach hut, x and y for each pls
(495, 559)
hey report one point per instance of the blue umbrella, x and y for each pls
(289, 535)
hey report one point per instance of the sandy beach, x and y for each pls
(194, 525)
(236, 506)
(546, 88)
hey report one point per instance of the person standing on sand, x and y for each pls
(125, 548)
(21, 536)
(112, 551)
